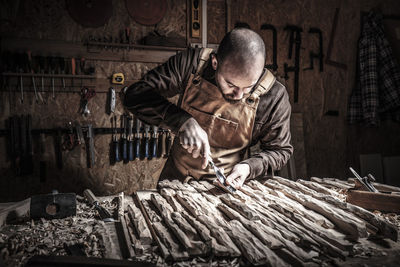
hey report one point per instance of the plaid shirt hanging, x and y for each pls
(377, 91)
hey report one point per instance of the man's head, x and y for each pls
(239, 63)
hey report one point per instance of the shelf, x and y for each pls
(134, 46)
(45, 75)
(139, 53)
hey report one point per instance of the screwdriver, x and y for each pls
(130, 139)
(115, 144)
(146, 141)
(137, 139)
(123, 138)
(168, 143)
(154, 141)
(161, 145)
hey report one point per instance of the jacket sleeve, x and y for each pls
(147, 99)
(275, 140)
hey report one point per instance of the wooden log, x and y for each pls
(374, 224)
(329, 248)
(331, 183)
(176, 185)
(335, 202)
(120, 205)
(263, 233)
(185, 233)
(124, 239)
(320, 188)
(244, 209)
(205, 215)
(142, 198)
(140, 224)
(139, 249)
(169, 241)
(198, 186)
(252, 248)
(352, 226)
(290, 205)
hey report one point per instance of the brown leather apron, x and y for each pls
(228, 125)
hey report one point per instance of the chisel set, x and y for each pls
(138, 140)
(131, 139)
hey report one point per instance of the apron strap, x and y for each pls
(204, 57)
(263, 86)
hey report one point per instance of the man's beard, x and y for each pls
(229, 98)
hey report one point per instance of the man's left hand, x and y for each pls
(238, 175)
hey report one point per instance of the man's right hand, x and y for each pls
(195, 140)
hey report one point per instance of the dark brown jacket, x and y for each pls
(147, 100)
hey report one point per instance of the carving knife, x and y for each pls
(221, 177)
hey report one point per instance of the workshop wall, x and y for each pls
(330, 144)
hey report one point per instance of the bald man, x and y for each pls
(227, 102)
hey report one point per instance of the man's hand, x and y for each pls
(238, 175)
(195, 140)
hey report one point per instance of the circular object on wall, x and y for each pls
(146, 12)
(90, 13)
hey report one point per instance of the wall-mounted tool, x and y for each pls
(195, 23)
(168, 144)
(111, 100)
(328, 59)
(124, 141)
(90, 146)
(31, 70)
(86, 95)
(118, 78)
(294, 40)
(80, 139)
(52, 63)
(69, 138)
(114, 157)
(146, 142)
(161, 143)
(138, 139)
(42, 69)
(154, 141)
(131, 154)
(319, 55)
(274, 65)
(61, 66)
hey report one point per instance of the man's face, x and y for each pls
(233, 82)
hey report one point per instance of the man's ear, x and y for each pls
(214, 61)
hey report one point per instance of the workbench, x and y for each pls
(275, 222)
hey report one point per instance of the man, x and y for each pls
(227, 102)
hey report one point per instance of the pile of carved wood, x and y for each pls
(82, 232)
(275, 222)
